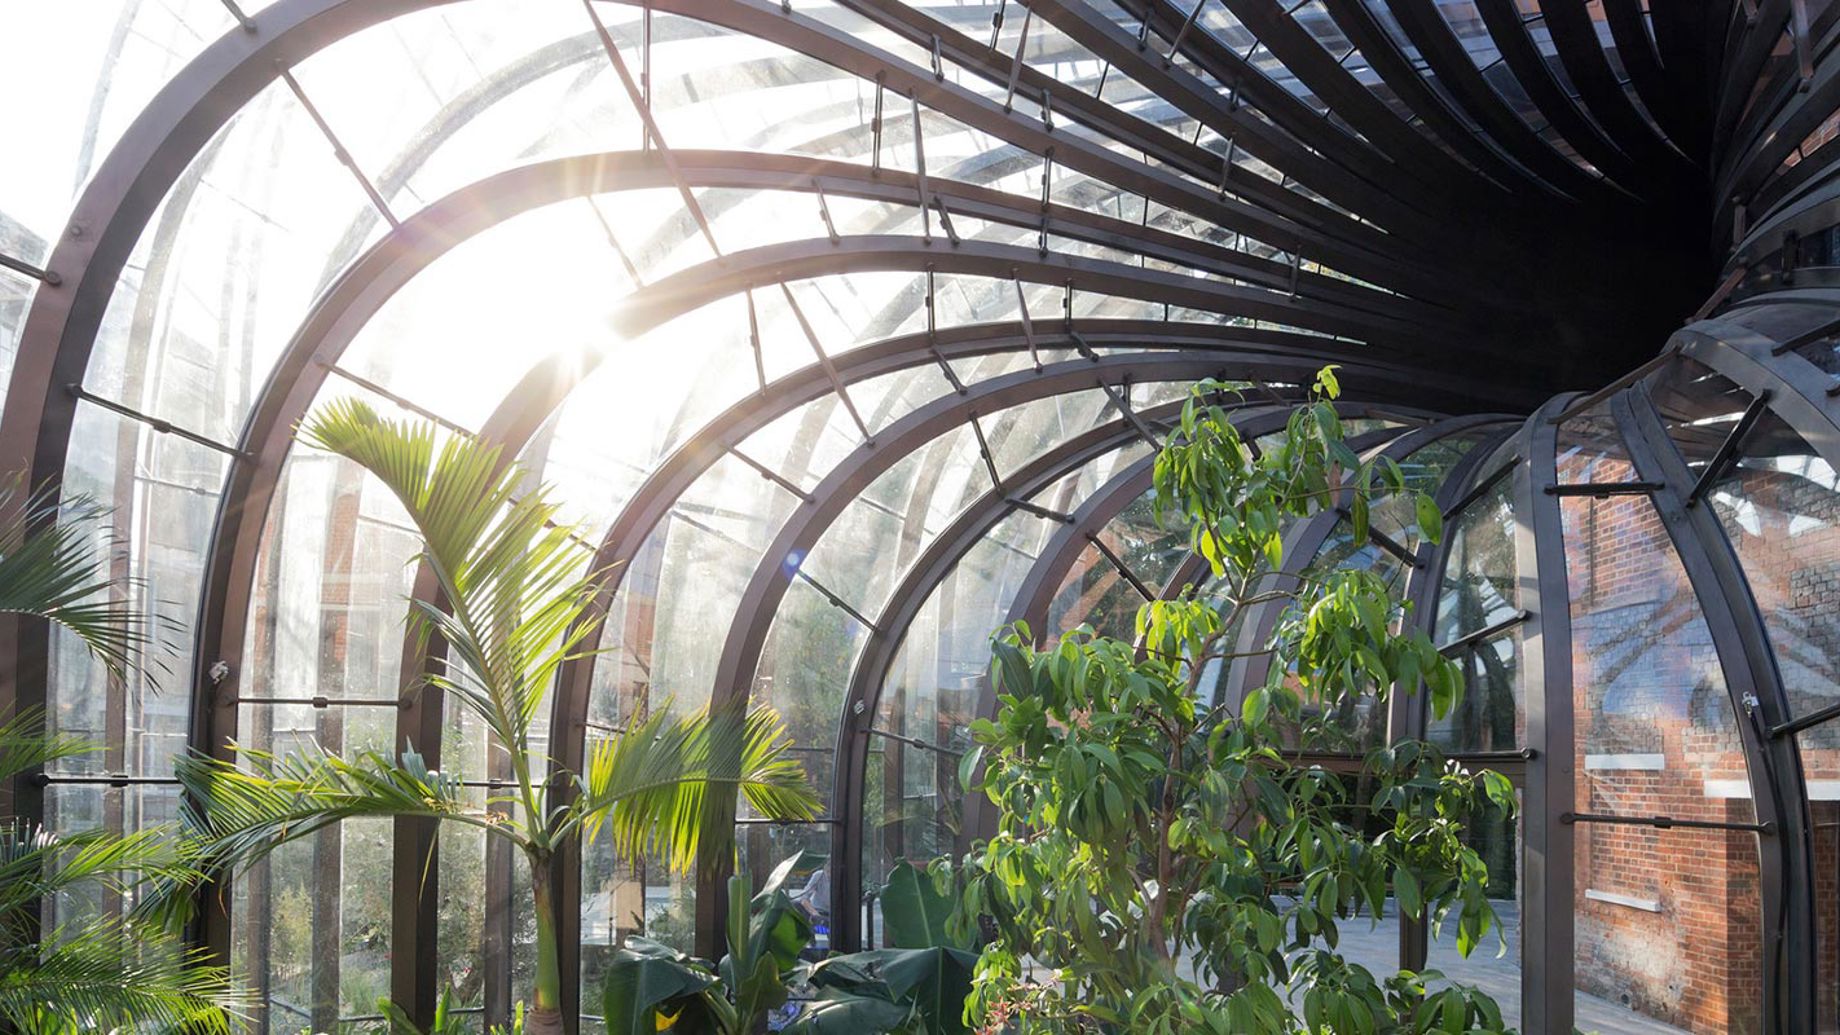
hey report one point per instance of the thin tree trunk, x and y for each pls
(545, 1016)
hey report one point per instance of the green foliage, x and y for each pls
(651, 987)
(516, 602)
(447, 1019)
(51, 568)
(916, 907)
(919, 986)
(919, 990)
(101, 971)
(926, 989)
(1168, 865)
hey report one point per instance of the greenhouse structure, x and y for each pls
(842, 333)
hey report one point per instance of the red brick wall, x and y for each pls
(1646, 682)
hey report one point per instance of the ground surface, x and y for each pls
(1377, 949)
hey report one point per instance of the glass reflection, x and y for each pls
(1667, 921)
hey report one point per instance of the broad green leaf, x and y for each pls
(915, 911)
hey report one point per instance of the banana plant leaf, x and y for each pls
(932, 982)
(646, 979)
(840, 1013)
(915, 910)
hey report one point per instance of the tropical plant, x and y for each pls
(100, 971)
(652, 987)
(917, 987)
(1168, 864)
(919, 984)
(517, 600)
(447, 1020)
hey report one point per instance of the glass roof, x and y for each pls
(914, 288)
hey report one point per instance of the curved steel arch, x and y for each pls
(1601, 94)
(654, 498)
(1546, 673)
(1355, 187)
(1566, 114)
(1306, 538)
(917, 585)
(1637, 50)
(393, 261)
(1444, 122)
(680, 292)
(768, 585)
(295, 381)
(1431, 34)
(1747, 661)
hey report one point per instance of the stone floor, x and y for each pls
(1376, 948)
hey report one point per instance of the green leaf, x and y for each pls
(968, 768)
(840, 1013)
(933, 981)
(1430, 518)
(1405, 886)
(915, 911)
(645, 978)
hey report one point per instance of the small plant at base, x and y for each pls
(1172, 864)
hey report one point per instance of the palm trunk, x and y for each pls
(545, 1016)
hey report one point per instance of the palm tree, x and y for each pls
(519, 601)
(102, 971)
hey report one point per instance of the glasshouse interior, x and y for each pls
(897, 516)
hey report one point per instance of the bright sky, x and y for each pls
(62, 111)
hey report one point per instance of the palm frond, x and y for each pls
(51, 569)
(649, 785)
(243, 814)
(518, 600)
(105, 976)
(37, 863)
(26, 746)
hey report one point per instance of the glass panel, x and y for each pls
(332, 583)
(1425, 470)
(75, 76)
(1094, 593)
(1480, 588)
(317, 913)
(1490, 968)
(1481, 577)
(1779, 503)
(250, 234)
(162, 494)
(71, 808)
(804, 671)
(15, 296)
(1591, 449)
(1668, 921)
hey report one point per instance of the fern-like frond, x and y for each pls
(648, 786)
(105, 976)
(26, 746)
(51, 567)
(517, 598)
(245, 812)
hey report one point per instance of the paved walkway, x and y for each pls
(1376, 948)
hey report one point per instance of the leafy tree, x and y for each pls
(1175, 865)
(102, 971)
(516, 601)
